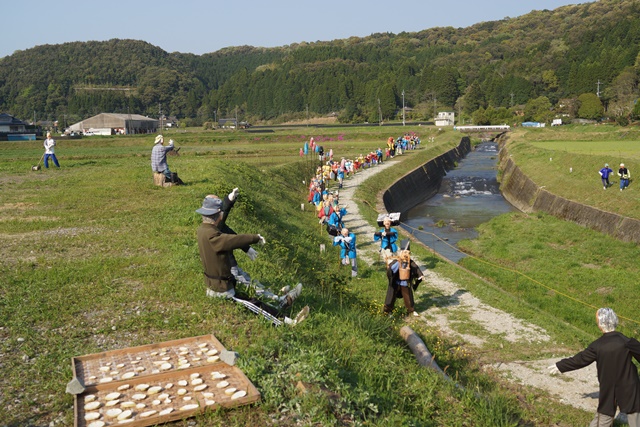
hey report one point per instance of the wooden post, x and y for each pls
(420, 350)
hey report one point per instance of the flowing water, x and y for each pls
(469, 196)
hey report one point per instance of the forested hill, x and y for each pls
(557, 54)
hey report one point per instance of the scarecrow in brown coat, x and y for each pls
(404, 276)
(216, 244)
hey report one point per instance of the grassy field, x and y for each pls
(95, 258)
(566, 162)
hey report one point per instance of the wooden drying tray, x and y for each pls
(95, 369)
(178, 353)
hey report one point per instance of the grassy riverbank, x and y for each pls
(562, 269)
(555, 267)
(566, 162)
(94, 257)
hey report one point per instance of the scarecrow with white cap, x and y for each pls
(604, 174)
(216, 243)
(624, 175)
(159, 157)
(404, 276)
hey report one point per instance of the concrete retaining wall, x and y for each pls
(518, 189)
(527, 196)
(424, 182)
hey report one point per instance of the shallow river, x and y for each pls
(469, 196)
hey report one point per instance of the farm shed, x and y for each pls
(116, 124)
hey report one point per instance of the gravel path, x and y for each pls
(578, 388)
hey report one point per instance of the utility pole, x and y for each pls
(379, 112)
(598, 91)
(403, 107)
(512, 99)
(435, 108)
(160, 114)
(307, 115)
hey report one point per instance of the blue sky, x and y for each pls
(201, 26)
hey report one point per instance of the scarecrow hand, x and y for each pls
(232, 196)
(252, 254)
(553, 369)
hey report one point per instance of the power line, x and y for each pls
(515, 272)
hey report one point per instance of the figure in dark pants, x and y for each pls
(624, 175)
(216, 243)
(617, 375)
(604, 174)
(404, 276)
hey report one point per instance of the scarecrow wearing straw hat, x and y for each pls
(159, 156)
(404, 277)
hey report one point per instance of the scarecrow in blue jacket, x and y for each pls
(335, 219)
(387, 237)
(604, 174)
(347, 242)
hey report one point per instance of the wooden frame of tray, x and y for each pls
(87, 369)
(233, 376)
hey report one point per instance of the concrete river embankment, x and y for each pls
(446, 198)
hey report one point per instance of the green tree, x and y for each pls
(539, 110)
(446, 86)
(622, 92)
(550, 80)
(473, 98)
(635, 113)
(350, 113)
(590, 107)
(387, 97)
(480, 117)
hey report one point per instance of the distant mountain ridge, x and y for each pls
(556, 54)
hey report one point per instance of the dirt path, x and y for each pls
(578, 388)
